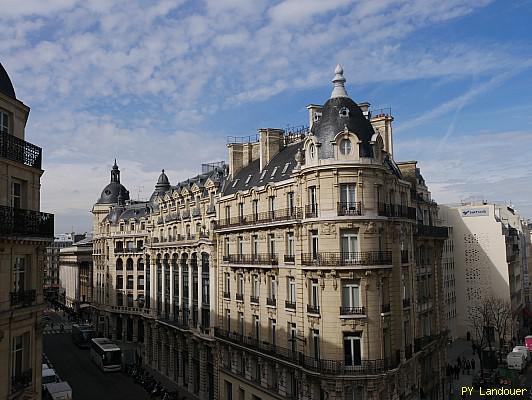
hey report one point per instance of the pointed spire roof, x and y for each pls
(6, 87)
(338, 82)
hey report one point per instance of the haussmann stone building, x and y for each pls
(309, 267)
(24, 234)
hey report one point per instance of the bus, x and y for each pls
(106, 355)
(82, 335)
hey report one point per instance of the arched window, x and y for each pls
(345, 146)
(129, 264)
(140, 264)
(205, 263)
(119, 264)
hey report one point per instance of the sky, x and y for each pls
(162, 84)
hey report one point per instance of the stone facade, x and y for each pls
(24, 234)
(307, 268)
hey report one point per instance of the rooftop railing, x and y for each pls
(18, 150)
(252, 259)
(20, 222)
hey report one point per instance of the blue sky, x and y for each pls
(161, 84)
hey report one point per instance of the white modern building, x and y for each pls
(486, 254)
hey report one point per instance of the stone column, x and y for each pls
(171, 289)
(163, 287)
(200, 291)
(148, 356)
(190, 365)
(135, 329)
(203, 377)
(170, 358)
(180, 359)
(190, 294)
(153, 285)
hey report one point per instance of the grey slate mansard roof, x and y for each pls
(6, 87)
(127, 212)
(279, 161)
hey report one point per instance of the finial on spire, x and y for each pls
(163, 171)
(338, 82)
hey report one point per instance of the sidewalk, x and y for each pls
(461, 348)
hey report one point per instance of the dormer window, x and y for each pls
(248, 179)
(286, 168)
(317, 116)
(262, 175)
(274, 171)
(345, 146)
(344, 112)
(235, 182)
(312, 151)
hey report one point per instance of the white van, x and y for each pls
(516, 360)
(58, 391)
(524, 350)
(49, 376)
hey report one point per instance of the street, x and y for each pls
(88, 382)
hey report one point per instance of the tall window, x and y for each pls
(290, 202)
(316, 343)
(240, 245)
(120, 282)
(272, 287)
(313, 199)
(271, 206)
(140, 282)
(227, 319)
(16, 194)
(291, 295)
(256, 327)
(273, 332)
(345, 146)
(349, 247)
(19, 274)
(315, 293)
(4, 122)
(226, 246)
(350, 295)
(290, 244)
(255, 286)
(254, 246)
(352, 349)
(241, 323)
(20, 354)
(255, 209)
(227, 280)
(227, 212)
(347, 196)
(129, 282)
(240, 282)
(314, 244)
(292, 334)
(271, 244)
(241, 211)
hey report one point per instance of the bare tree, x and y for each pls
(501, 320)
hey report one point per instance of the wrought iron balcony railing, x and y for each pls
(227, 295)
(286, 214)
(320, 365)
(290, 305)
(289, 258)
(18, 150)
(252, 259)
(311, 210)
(240, 297)
(313, 309)
(347, 258)
(349, 208)
(21, 380)
(396, 210)
(20, 222)
(439, 232)
(254, 299)
(352, 311)
(23, 298)
(271, 302)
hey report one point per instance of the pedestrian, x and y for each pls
(61, 328)
(467, 367)
(457, 371)
(473, 364)
(459, 362)
(52, 325)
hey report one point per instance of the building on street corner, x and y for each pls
(25, 232)
(308, 267)
(51, 266)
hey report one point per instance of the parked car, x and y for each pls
(49, 376)
(57, 391)
(524, 350)
(516, 360)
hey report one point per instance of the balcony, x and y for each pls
(396, 211)
(313, 309)
(18, 150)
(289, 258)
(319, 365)
(19, 222)
(311, 211)
(227, 295)
(352, 311)
(286, 214)
(23, 298)
(271, 302)
(254, 299)
(385, 308)
(439, 232)
(290, 305)
(21, 380)
(347, 258)
(349, 208)
(251, 259)
(240, 297)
